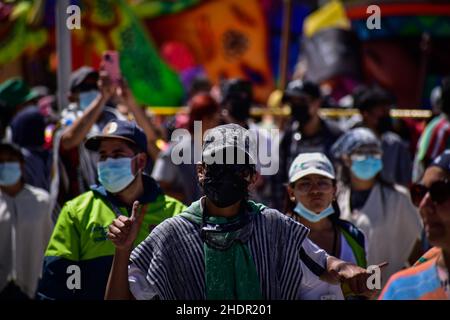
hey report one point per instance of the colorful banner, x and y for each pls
(153, 9)
(112, 25)
(16, 35)
(228, 38)
(150, 79)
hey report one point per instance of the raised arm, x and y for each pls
(125, 94)
(77, 132)
(123, 232)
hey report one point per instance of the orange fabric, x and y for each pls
(433, 253)
(439, 294)
(430, 256)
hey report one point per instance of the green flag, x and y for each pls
(149, 77)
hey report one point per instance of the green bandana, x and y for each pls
(229, 274)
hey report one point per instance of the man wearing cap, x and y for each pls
(86, 114)
(223, 246)
(307, 132)
(91, 96)
(431, 271)
(79, 238)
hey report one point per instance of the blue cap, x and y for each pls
(118, 129)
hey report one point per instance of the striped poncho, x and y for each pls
(169, 264)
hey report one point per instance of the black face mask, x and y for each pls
(224, 187)
(384, 124)
(300, 112)
(225, 191)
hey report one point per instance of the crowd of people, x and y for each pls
(94, 185)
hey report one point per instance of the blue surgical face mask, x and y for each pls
(10, 173)
(87, 97)
(311, 216)
(368, 168)
(115, 174)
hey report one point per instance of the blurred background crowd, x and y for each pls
(312, 69)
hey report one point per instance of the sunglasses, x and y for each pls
(439, 192)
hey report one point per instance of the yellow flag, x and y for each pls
(331, 15)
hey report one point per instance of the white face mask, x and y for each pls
(10, 173)
(86, 98)
(311, 216)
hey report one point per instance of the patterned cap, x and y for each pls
(354, 139)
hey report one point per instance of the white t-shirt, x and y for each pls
(321, 290)
(25, 228)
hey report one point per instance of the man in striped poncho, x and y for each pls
(223, 246)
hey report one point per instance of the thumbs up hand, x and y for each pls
(123, 230)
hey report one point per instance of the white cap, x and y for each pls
(310, 163)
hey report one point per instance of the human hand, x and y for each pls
(123, 230)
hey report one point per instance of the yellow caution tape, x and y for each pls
(286, 111)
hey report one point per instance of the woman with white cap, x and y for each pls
(311, 201)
